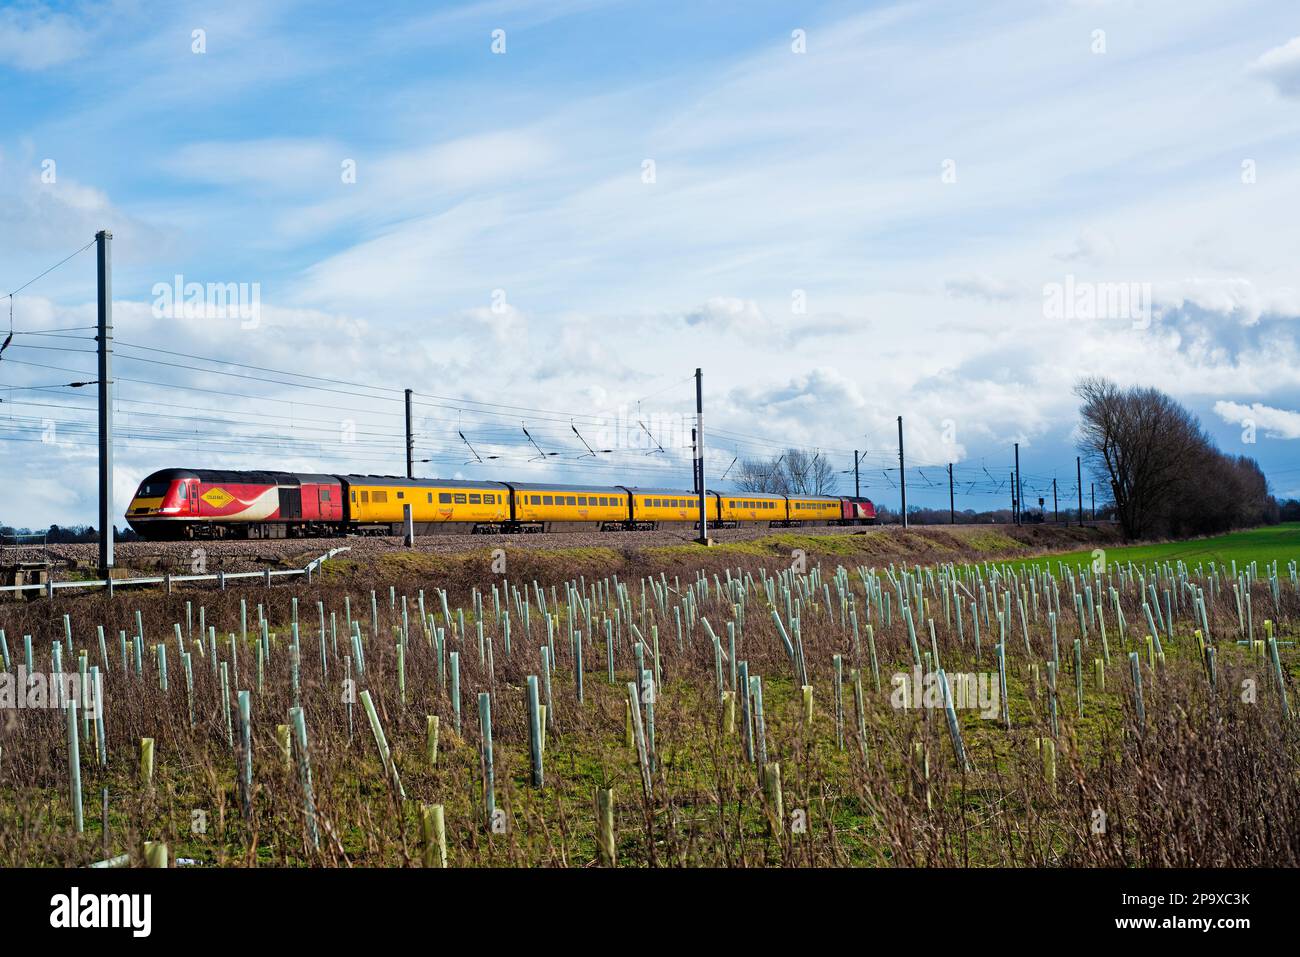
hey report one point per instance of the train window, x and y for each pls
(324, 495)
(380, 496)
(430, 498)
(602, 500)
(365, 496)
(475, 499)
(547, 500)
(401, 495)
(444, 498)
(489, 498)
(537, 500)
(459, 498)
(573, 500)
(354, 495)
(730, 504)
(582, 500)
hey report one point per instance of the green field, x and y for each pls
(1280, 543)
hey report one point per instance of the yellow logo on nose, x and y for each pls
(217, 497)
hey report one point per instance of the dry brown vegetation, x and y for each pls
(1209, 775)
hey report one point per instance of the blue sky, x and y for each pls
(863, 229)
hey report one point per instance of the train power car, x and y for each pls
(185, 503)
(207, 503)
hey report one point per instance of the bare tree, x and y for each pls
(758, 475)
(1166, 477)
(793, 472)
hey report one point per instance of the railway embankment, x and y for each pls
(452, 561)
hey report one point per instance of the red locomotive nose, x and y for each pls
(175, 501)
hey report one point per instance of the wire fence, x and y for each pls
(222, 579)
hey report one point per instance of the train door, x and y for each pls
(290, 503)
(328, 508)
(194, 497)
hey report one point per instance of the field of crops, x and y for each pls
(1273, 543)
(1136, 709)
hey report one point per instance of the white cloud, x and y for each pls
(1092, 247)
(1237, 298)
(1280, 66)
(36, 38)
(982, 287)
(1275, 423)
(728, 314)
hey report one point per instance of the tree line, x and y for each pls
(60, 534)
(1166, 477)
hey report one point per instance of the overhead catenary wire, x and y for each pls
(541, 423)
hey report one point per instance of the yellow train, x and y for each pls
(200, 503)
